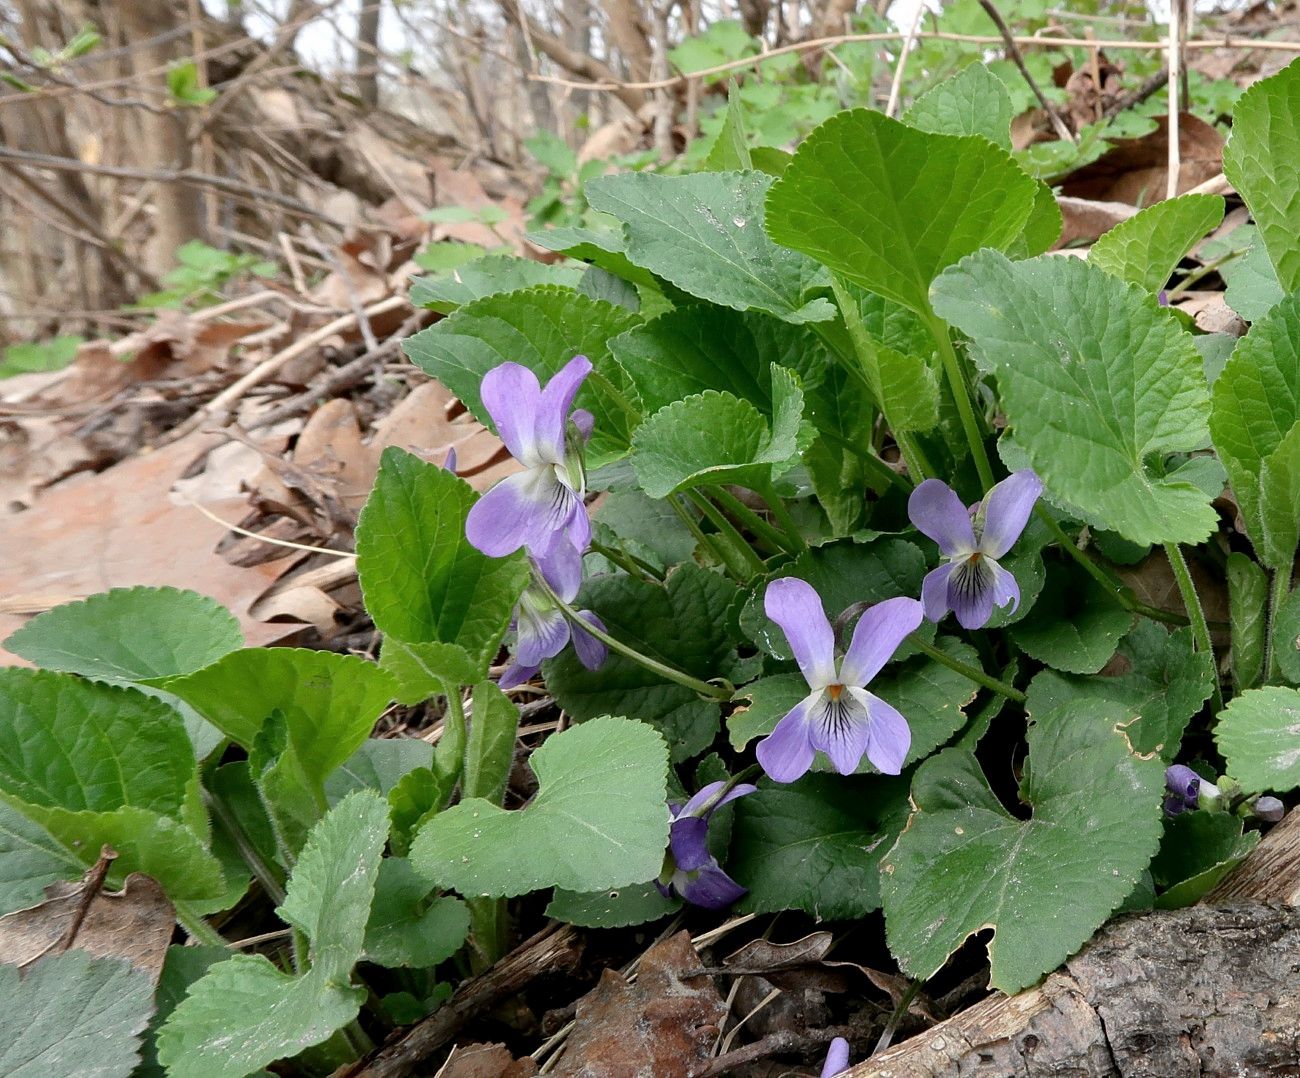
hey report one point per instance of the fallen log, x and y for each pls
(1213, 990)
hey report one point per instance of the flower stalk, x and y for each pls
(973, 673)
(1200, 627)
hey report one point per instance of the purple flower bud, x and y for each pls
(1269, 809)
(1184, 783)
(837, 1058)
(1162, 298)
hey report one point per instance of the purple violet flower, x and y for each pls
(837, 1058)
(838, 716)
(541, 629)
(1184, 790)
(542, 505)
(972, 581)
(690, 871)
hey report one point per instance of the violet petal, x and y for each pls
(796, 607)
(1006, 511)
(786, 753)
(890, 737)
(511, 394)
(508, 516)
(555, 405)
(878, 634)
(712, 888)
(970, 592)
(1006, 590)
(590, 651)
(839, 729)
(689, 840)
(934, 591)
(938, 513)
(837, 1058)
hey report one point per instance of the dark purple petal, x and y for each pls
(449, 461)
(934, 591)
(938, 513)
(890, 736)
(1174, 805)
(879, 632)
(741, 789)
(688, 838)
(517, 674)
(542, 632)
(1005, 588)
(786, 753)
(512, 396)
(710, 888)
(837, 1058)
(970, 591)
(508, 516)
(590, 651)
(584, 421)
(694, 806)
(1162, 298)
(1183, 782)
(838, 727)
(578, 525)
(1006, 511)
(556, 403)
(796, 607)
(561, 568)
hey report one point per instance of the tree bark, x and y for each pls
(1206, 992)
(367, 61)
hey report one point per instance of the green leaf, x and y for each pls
(1098, 383)
(424, 670)
(598, 820)
(421, 579)
(1248, 616)
(29, 356)
(1259, 736)
(698, 348)
(730, 149)
(816, 844)
(713, 438)
(1043, 228)
(1197, 851)
(245, 1013)
(542, 328)
(437, 257)
(1286, 637)
(648, 522)
(1262, 162)
(329, 702)
(1145, 249)
(1256, 409)
(1252, 287)
(72, 1016)
(1075, 624)
(133, 634)
(1165, 684)
(682, 623)
(1045, 884)
(30, 859)
(973, 102)
(490, 750)
(409, 926)
(603, 247)
(417, 797)
(889, 207)
(183, 85)
(487, 276)
(704, 233)
(636, 904)
(379, 764)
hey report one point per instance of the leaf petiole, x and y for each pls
(973, 673)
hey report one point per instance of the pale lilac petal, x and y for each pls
(590, 651)
(556, 403)
(696, 803)
(1006, 511)
(890, 736)
(934, 591)
(1005, 588)
(741, 789)
(711, 888)
(879, 632)
(970, 592)
(938, 513)
(578, 527)
(512, 396)
(517, 674)
(561, 568)
(689, 840)
(542, 634)
(837, 1058)
(796, 607)
(786, 753)
(509, 516)
(584, 421)
(449, 461)
(839, 729)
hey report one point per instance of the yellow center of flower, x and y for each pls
(835, 691)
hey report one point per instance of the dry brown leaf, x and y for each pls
(1086, 219)
(1135, 170)
(486, 1061)
(121, 528)
(663, 1026)
(135, 923)
(1211, 313)
(455, 187)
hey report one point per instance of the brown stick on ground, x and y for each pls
(1013, 50)
(550, 951)
(1210, 990)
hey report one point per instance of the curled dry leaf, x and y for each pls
(1135, 170)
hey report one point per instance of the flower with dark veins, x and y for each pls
(838, 716)
(972, 581)
(542, 506)
(541, 629)
(690, 871)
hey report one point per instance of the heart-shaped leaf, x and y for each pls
(1259, 735)
(1145, 249)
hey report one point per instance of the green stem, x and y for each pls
(761, 529)
(668, 673)
(629, 563)
(197, 927)
(706, 541)
(1200, 628)
(960, 394)
(1195, 275)
(880, 476)
(727, 529)
(1278, 592)
(788, 524)
(265, 875)
(487, 917)
(610, 390)
(973, 673)
(449, 756)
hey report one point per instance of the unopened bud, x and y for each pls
(1269, 809)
